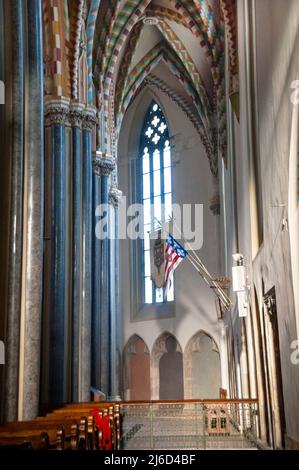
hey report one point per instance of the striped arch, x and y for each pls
(165, 13)
(196, 25)
(200, 19)
(139, 74)
(203, 20)
(119, 21)
(131, 13)
(76, 19)
(106, 18)
(186, 59)
(207, 14)
(125, 21)
(228, 8)
(176, 66)
(90, 27)
(125, 65)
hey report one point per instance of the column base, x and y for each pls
(114, 398)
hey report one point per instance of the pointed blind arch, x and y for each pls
(156, 190)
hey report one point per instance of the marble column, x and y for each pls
(88, 124)
(57, 116)
(96, 297)
(16, 79)
(76, 117)
(30, 337)
(115, 327)
(103, 166)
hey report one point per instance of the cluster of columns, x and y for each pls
(79, 312)
(62, 309)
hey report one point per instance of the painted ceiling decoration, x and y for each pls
(105, 21)
(126, 62)
(185, 41)
(90, 28)
(160, 12)
(76, 19)
(163, 52)
(174, 41)
(229, 10)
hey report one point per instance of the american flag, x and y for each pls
(174, 255)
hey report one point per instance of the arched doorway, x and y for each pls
(202, 367)
(167, 369)
(136, 370)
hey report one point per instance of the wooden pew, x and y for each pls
(64, 427)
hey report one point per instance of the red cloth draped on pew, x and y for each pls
(102, 423)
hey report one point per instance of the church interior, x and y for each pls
(107, 104)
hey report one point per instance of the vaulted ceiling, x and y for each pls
(175, 46)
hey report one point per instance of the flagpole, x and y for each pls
(215, 284)
(221, 295)
(199, 266)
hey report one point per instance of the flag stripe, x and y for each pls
(169, 269)
(174, 255)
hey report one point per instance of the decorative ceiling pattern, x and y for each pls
(163, 52)
(105, 21)
(160, 12)
(75, 33)
(127, 18)
(126, 63)
(90, 27)
(229, 10)
(126, 40)
(174, 41)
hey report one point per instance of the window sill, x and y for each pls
(156, 311)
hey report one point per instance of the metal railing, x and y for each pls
(189, 424)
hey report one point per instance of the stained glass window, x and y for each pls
(156, 191)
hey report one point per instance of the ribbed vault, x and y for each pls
(123, 51)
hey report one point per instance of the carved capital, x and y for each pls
(89, 119)
(56, 112)
(76, 115)
(115, 196)
(103, 164)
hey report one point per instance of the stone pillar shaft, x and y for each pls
(85, 324)
(115, 342)
(56, 114)
(104, 283)
(16, 77)
(76, 122)
(96, 298)
(58, 266)
(33, 220)
(103, 167)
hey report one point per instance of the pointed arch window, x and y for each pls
(156, 191)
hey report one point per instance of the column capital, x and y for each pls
(76, 114)
(89, 118)
(115, 196)
(57, 111)
(103, 164)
